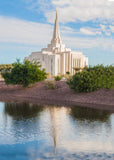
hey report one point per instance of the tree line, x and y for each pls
(87, 80)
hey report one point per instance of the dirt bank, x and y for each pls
(63, 95)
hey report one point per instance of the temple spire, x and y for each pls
(56, 36)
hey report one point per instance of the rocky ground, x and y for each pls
(63, 95)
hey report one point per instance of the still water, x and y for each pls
(31, 132)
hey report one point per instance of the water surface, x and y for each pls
(34, 132)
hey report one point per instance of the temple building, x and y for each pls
(56, 58)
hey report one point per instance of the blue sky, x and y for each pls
(87, 26)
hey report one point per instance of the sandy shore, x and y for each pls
(62, 96)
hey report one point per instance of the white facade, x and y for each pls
(56, 58)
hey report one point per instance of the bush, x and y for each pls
(5, 67)
(50, 85)
(92, 78)
(24, 73)
(58, 78)
(68, 72)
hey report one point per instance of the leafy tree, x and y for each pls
(7, 67)
(92, 78)
(24, 73)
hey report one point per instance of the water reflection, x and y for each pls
(90, 114)
(45, 130)
(22, 110)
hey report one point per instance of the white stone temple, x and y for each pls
(56, 58)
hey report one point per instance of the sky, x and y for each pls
(85, 25)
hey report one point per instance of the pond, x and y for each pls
(31, 132)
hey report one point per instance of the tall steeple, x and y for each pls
(56, 36)
(56, 45)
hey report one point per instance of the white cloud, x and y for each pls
(83, 43)
(84, 10)
(73, 10)
(88, 31)
(107, 29)
(108, 33)
(24, 32)
(103, 27)
(112, 28)
(39, 5)
(15, 30)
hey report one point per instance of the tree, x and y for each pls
(24, 73)
(92, 78)
(5, 67)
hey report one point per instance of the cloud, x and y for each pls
(19, 31)
(108, 33)
(107, 29)
(38, 34)
(39, 5)
(103, 27)
(73, 10)
(89, 31)
(112, 28)
(86, 43)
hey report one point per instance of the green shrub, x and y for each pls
(93, 78)
(58, 78)
(50, 84)
(24, 73)
(5, 67)
(67, 72)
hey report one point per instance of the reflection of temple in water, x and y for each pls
(55, 133)
(57, 116)
(72, 128)
(25, 111)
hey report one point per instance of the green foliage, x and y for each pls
(24, 73)
(90, 114)
(93, 78)
(6, 67)
(50, 84)
(77, 69)
(67, 72)
(58, 78)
